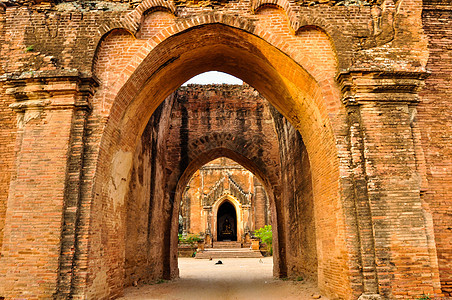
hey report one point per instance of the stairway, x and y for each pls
(229, 253)
(228, 249)
(226, 244)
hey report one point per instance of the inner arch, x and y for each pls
(263, 175)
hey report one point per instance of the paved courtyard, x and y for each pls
(236, 278)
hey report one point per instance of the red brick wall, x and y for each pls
(393, 169)
(47, 130)
(261, 209)
(7, 136)
(7, 140)
(191, 207)
(435, 122)
(298, 202)
(145, 203)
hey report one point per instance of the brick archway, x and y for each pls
(293, 91)
(263, 174)
(237, 206)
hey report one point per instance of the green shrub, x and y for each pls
(189, 239)
(266, 236)
(424, 297)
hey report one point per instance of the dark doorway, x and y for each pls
(226, 222)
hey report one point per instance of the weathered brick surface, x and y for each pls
(380, 173)
(434, 122)
(298, 201)
(47, 123)
(7, 137)
(7, 140)
(395, 155)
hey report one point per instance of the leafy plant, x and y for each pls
(424, 297)
(189, 239)
(266, 235)
(29, 48)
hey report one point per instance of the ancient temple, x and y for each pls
(223, 201)
(98, 142)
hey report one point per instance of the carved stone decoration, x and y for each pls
(382, 27)
(28, 110)
(360, 86)
(33, 92)
(219, 190)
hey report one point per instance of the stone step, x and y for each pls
(227, 244)
(228, 253)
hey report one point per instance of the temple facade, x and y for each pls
(223, 201)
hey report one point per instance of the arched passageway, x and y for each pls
(284, 83)
(250, 140)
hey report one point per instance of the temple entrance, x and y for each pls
(226, 222)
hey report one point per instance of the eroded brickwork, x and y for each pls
(7, 136)
(298, 201)
(434, 122)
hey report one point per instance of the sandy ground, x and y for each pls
(236, 278)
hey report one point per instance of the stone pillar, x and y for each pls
(246, 218)
(207, 213)
(396, 256)
(259, 205)
(43, 204)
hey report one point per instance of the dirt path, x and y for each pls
(236, 278)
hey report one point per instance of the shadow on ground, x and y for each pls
(236, 278)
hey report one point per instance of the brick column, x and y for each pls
(42, 208)
(397, 256)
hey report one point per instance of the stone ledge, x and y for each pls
(390, 87)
